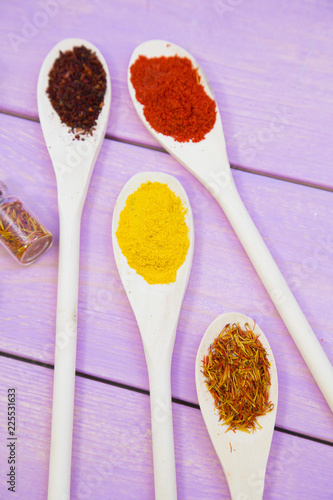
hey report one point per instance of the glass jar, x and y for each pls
(20, 232)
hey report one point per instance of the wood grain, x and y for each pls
(269, 64)
(294, 220)
(112, 455)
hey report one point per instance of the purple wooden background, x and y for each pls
(112, 446)
(270, 67)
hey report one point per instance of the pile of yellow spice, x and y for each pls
(152, 233)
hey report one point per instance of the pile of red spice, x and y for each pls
(77, 84)
(175, 102)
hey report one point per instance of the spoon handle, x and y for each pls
(65, 358)
(277, 288)
(162, 430)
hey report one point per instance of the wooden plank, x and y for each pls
(112, 455)
(294, 221)
(269, 64)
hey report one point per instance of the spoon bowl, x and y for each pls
(202, 158)
(73, 161)
(243, 456)
(157, 308)
(207, 160)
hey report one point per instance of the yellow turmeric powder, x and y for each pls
(152, 233)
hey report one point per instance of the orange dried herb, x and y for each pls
(237, 375)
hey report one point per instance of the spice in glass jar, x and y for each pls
(20, 232)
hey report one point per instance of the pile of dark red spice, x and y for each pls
(76, 89)
(175, 102)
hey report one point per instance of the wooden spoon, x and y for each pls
(243, 456)
(73, 161)
(208, 161)
(157, 308)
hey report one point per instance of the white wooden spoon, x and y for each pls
(73, 161)
(243, 456)
(157, 308)
(207, 160)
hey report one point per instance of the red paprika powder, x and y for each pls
(175, 102)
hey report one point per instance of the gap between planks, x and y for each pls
(234, 167)
(195, 406)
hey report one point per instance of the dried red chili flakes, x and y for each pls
(76, 89)
(175, 102)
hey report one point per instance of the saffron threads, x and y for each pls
(237, 375)
(20, 232)
(77, 84)
(174, 101)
